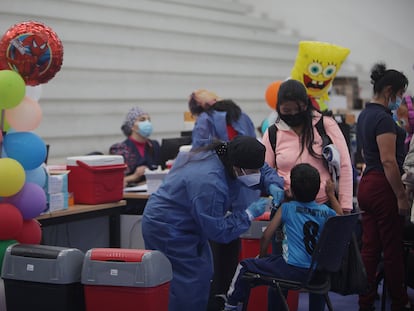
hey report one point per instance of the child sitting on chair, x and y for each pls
(303, 220)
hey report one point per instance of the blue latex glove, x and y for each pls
(277, 193)
(257, 208)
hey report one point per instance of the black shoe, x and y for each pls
(372, 308)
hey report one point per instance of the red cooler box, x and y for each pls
(250, 247)
(126, 279)
(96, 179)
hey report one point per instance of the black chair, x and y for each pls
(326, 258)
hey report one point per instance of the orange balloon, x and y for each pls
(271, 93)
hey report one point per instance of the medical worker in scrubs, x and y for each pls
(192, 206)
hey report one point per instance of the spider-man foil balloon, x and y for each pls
(33, 50)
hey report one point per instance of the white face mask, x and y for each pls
(250, 180)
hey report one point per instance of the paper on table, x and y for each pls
(139, 188)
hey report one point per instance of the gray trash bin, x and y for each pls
(126, 279)
(43, 278)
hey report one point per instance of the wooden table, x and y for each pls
(84, 211)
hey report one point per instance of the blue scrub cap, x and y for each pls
(130, 118)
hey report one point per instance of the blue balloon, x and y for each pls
(25, 147)
(37, 176)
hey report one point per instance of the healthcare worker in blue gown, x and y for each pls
(191, 207)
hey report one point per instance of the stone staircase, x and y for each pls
(153, 54)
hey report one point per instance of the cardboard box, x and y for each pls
(96, 179)
(57, 181)
(57, 201)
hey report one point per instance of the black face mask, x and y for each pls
(294, 119)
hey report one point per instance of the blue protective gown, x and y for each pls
(212, 125)
(189, 209)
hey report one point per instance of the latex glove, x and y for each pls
(277, 193)
(257, 208)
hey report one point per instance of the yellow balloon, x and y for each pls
(316, 65)
(12, 177)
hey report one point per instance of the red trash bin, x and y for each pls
(126, 279)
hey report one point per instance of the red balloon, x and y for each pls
(271, 93)
(11, 221)
(31, 232)
(33, 50)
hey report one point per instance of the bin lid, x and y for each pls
(125, 267)
(115, 254)
(42, 263)
(96, 160)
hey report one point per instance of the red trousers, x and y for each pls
(382, 233)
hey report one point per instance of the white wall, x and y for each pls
(154, 53)
(374, 30)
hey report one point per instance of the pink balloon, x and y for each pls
(26, 116)
(30, 201)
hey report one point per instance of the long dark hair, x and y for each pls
(295, 91)
(233, 111)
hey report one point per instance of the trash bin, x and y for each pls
(126, 279)
(250, 247)
(43, 278)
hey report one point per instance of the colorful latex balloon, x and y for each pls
(11, 221)
(37, 176)
(12, 177)
(271, 93)
(33, 50)
(25, 147)
(316, 65)
(26, 116)
(31, 232)
(30, 200)
(270, 119)
(12, 89)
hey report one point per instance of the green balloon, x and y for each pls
(3, 246)
(12, 89)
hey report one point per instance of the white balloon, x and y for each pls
(34, 92)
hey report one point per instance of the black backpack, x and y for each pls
(326, 140)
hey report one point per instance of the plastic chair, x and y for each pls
(326, 258)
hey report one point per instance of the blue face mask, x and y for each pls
(250, 180)
(144, 128)
(393, 105)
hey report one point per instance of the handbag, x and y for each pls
(352, 276)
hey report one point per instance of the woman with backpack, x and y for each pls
(300, 131)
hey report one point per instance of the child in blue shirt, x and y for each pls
(303, 220)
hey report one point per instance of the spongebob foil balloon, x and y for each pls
(317, 64)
